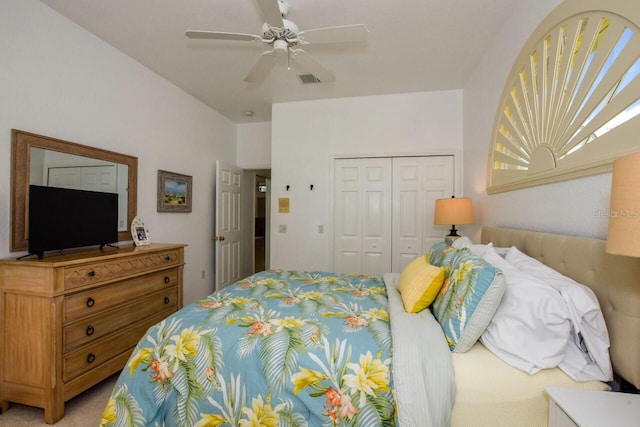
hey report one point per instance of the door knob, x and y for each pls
(218, 238)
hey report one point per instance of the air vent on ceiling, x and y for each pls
(307, 79)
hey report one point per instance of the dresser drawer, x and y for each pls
(92, 356)
(88, 303)
(95, 327)
(101, 272)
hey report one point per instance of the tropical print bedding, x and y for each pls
(279, 348)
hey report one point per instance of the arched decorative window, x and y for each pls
(571, 104)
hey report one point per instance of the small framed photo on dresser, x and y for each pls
(140, 233)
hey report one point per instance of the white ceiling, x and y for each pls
(413, 46)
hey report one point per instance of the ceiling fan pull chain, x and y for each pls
(289, 59)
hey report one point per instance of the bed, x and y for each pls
(287, 348)
(519, 396)
(314, 348)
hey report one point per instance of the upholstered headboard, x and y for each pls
(614, 279)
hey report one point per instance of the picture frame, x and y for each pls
(174, 192)
(140, 233)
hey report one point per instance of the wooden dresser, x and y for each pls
(69, 321)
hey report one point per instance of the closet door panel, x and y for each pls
(438, 184)
(417, 183)
(384, 211)
(350, 241)
(362, 215)
(376, 231)
(407, 225)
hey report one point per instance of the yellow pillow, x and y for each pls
(419, 284)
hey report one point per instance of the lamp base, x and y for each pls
(448, 240)
(453, 231)
(452, 236)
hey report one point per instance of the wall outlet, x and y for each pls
(320, 229)
(203, 275)
(282, 228)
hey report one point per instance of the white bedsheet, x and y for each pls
(422, 368)
(491, 393)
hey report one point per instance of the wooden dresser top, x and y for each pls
(71, 257)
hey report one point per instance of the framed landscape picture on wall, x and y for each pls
(174, 192)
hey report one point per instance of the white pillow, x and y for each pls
(465, 242)
(531, 327)
(588, 355)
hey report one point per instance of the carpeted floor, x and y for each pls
(84, 410)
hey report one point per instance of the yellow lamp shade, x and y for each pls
(623, 236)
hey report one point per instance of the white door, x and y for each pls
(227, 232)
(100, 178)
(267, 227)
(92, 178)
(417, 183)
(362, 232)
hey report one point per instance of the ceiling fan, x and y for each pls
(283, 36)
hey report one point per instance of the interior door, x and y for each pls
(92, 178)
(362, 232)
(227, 224)
(383, 210)
(267, 227)
(417, 183)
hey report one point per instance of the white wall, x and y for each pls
(306, 136)
(568, 207)
(254, 145)
(58, 80)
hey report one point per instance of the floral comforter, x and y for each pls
(279, 348)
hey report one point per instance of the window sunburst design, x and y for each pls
(572, 103)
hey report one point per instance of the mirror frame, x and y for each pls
(21, 144)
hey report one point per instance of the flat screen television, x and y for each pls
(62, 218)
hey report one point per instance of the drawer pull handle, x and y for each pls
(90, 302)
(91, 358)
(90, 330)
(167, 258)
(167, 300)
(166, 279)
(91, 273)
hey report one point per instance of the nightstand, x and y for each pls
(586, 408)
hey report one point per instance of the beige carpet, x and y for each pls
(84, 410)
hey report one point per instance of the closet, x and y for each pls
(383, 210)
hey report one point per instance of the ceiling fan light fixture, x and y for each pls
(280, 46)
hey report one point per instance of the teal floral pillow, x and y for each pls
(469, 297)
(442, 254)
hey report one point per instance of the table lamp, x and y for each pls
(453, 211)
(623, 235)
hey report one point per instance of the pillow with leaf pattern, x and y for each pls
(469, 297)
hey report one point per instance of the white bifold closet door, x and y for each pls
(383, 210)
(362, 208)
(417, 183)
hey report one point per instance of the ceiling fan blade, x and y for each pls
(308, 64)
(216, 35)
(346, 33)
(270, 11)
(262, 67)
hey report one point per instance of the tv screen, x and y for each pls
(61, 218)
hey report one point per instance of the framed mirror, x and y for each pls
(41, 160)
